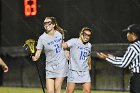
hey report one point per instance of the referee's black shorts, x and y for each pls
(135, 83)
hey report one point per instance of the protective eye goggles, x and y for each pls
(47, 23)
(85, 34)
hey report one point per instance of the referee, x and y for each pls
(131, 57)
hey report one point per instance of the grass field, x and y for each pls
(39, 90)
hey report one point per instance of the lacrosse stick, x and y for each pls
(30, 43)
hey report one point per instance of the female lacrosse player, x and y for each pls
(79, 66)
(56, 62)
(4, 66)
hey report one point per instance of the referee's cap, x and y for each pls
(132, 28)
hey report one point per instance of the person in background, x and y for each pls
(131, 57)
(4, 66)
(79, 61)
(56, 62)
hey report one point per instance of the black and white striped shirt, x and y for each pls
(131, 58)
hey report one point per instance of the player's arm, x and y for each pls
(67, 50)
(37, 55)
(64, 45)
(4, 66)
(89, 62)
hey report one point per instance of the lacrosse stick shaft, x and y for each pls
(30, 43)
(40, 77)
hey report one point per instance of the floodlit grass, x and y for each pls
(39, 90)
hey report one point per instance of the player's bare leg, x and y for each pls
(70, 87)
(50, 85)
(86, 87)
(58, 84)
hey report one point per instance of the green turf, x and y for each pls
(39, 90)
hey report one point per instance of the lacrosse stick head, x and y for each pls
(30, 43)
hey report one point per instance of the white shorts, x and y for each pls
(58, 71)
(78, 76)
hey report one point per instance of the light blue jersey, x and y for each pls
(79, 53)
(55, 55)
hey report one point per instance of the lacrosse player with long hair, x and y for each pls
(56, 63)
(79, 61)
